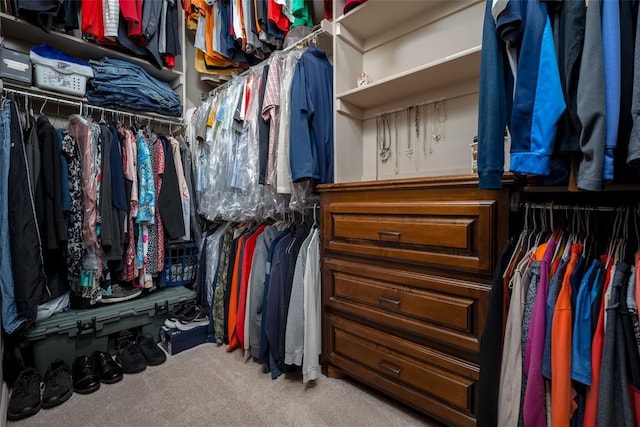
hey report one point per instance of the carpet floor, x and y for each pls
(206, 386)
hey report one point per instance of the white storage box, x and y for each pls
(56, 71)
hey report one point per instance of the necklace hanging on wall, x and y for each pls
(409, 151)
(384, 144)
(427, 149)
(396, 169)
(437, 121)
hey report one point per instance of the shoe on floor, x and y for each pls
(25, 397)
(192, 318)
(130, 358)
(119, 293)
(85, 379)
(58, 384)
(150, 350)
(174, 316)
(104, 365)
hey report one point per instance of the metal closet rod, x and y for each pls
(553, 206)
(82, 106)
(312, 35)
(423, 104)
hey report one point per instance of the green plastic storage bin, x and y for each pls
(76, 332)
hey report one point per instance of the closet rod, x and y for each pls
(312, 35)
(177, 121)
(87, 107)
(45, 97)
(553, 206)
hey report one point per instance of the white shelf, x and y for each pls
(379, 16)
(454, 68)
(18, 29)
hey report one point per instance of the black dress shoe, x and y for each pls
(108, 370)
(85, 379)
(58, 385)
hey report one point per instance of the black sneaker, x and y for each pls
(119, 293)
(174, 316)
(85, 379)
(104, 365)
(58, 384)
(25, 398)
(150, 350)
(192, 318)
(130, 358)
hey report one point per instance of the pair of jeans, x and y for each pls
(10, 320)
(121, 83)
(116, 70)
(130, 92)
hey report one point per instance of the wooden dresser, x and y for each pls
(406, 272)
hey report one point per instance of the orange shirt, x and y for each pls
(562, 403)
(233, 300)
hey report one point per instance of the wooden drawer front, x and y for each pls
(436, 308)
(445, 234)
(439, 384)
(427, 306)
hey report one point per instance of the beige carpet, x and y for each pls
(206, 386)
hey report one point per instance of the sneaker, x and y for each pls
(150, 350)
(130, 358)
(174, 316)
(108, 370)
(192, 318)
(25, 397)
(58, 384)
(85, 379)
(119, 293)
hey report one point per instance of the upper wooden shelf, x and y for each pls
(450, 69)
(20, 30)
(379, 16)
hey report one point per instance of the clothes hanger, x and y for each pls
(315, 217)
(56, 119)
(614, 238)
(520, 243)
(42, 107)
(534, 232)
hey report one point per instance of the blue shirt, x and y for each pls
(263, 354)
(581, 337)
(612, 77)
(311, 123)
(538, 100)
(274, 326)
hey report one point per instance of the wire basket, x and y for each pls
(181, 264)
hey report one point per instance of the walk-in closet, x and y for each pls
(319, 212)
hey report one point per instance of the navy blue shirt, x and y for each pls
(311, 150)
(117, 173)
(263, 354)
(274, 325)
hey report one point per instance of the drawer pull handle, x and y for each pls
(396, 371)
(389, 301)
(389, 234)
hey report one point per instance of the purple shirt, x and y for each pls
(534, 397)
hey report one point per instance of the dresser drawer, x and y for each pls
(436, 308)
(425, 378)
(449, 234)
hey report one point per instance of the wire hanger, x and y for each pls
(42, 106)
(315, 215)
